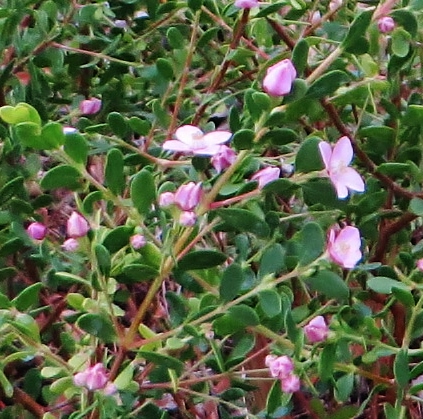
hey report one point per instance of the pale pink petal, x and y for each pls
(210, 150)
(342, 152)
(216, 137)
(350, 260)
(175, 145)
(349, 235)
(341, 189)
(350, 178)
(326, 153)
(187, 133)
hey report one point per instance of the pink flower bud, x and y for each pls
(224, 158)
(246, 4)
(70, 245)
(187, 218)
(166, 199)
(137, 241)
(188, 196)
(316, 18)
(279, 78)
(266, 175)
(419, 264)
(37, 231)
(316, 330)
(110, 389)
(290, 383)
(69, 130)
(77, 226)
(335, 4)
(90, 106)
(386, 24)
(344, 246)
(93, 378)
(279, 366)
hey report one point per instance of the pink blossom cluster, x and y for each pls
(95, 378)
(186, 198)
(76, 227)
(282, 367)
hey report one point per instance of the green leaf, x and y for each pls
(262, 100)
(327, 84)
(232, 280)
(300, 56)
(140, 126)
(384, 285)
(164, 360)
(201, 259)
(165, 69)
(357, 29)
(76, 147)
(89, 201)
(416, 206)
(406, 19)
(137, 272)
(97, 325)
(103, 259)
(22, 112)
(401, 369)
(6, 385)
(280, 136)
(270, 302)
(344, 387)
(175, 38)
(11, 246)
(312, 243)
(329, 284)
(400, 42)
(52, 136)
(27, 297)
(11, 188)
(124, 378)
(308, 157)
(245, 315)
(272, 261)
(113, 173)
(143, 191)
(62, 176)
(274, 398)
(117, 238)
(243, 139)
(117, 124)
(394, 169)
(327, 361)
(243, 220)
(27, 326)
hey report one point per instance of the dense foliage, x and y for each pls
(211, 209)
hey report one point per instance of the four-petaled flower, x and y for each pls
(344, 246)
(190, 139)
(336, 164)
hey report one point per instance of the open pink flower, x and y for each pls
(90, 106)
(316, 330)
(190, 139)
(246, 4)
(290, 383)
(224, 158)
(336, 163)
(279, 366)
(344, 246)
(188, 196)
(93, 378)
(266, 175)
(279, 78)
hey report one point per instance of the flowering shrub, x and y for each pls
(211, 209)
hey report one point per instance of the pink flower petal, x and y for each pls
(188, 133)
(175, 145)
(326, 153)
(341, 189)
(350, 178)
(210, 150)
(342, 153)
(216, 137)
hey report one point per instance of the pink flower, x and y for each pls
(93, 378)
(77, 225)
(336, 163)
(37, 231)
(316, 330)
(344, 246)
(420, 265)
(417, 381)
(266, 175)
(290, 384)
(224, 158)
(188, 196)
(279, 78)
(166, 199)
(70, 245)
(279, 366)
(190, 139)
(386, 24)
(246, 4)
(187, 218)
(90, 106)
(335, 4)
(69, 130)
(137, 241)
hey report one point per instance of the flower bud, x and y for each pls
(316, 330)
(419, 264)
(279, 78)
(93, 378)
(188, 196)
(90, 106)
(77, 225)
(137, 241)
(70, 245)
(187, 218)
(166, 199)
(246, 4)
(290, 383)
(37, 231)
(386, 24)
(279, 366)
(224, 158)
(266, 175)
(335, 4)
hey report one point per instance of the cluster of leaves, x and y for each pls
(184, 323)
